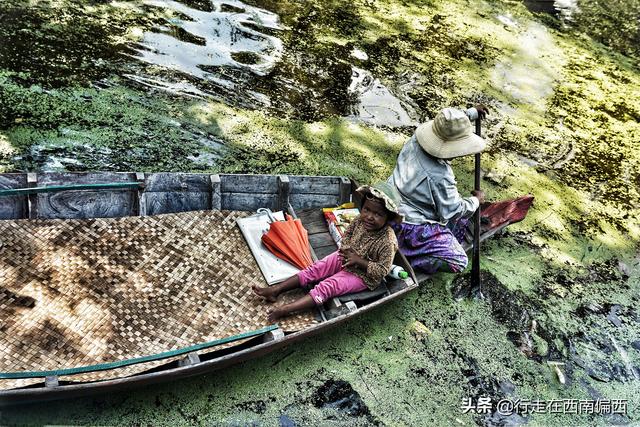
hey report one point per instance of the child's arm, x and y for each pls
(381, 259)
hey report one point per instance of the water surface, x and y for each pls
(239, 54)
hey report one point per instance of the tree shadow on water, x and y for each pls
(55, 46)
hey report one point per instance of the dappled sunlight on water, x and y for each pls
(376, 103)
(225, 47)
(515, 75)
(198, 40)
(236, 53)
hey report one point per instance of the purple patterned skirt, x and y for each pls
(433, 247)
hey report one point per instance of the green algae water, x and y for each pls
(335, 88)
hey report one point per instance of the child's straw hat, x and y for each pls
(387, 193)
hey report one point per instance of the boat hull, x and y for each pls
(161, 193)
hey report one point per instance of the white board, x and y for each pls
(273, 268)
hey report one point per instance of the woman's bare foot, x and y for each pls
(275, 314)
(267, 293)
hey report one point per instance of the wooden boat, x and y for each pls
(76, 196)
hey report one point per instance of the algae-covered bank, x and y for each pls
(336, 87)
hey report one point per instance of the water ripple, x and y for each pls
(220, 46)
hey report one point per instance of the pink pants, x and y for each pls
(331, 279)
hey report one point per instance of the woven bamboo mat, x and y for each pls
(83, 292)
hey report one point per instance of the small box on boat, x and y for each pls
(339, 218)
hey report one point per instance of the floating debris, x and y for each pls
(556, 368)
(359, 54)
(507, 20)
(613, 316)
(418, 329)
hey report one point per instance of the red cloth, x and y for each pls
(495, 214)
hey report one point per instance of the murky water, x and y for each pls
(236, 53)
(562, 8)
(216, 53)
(55, 52)
(228, 50)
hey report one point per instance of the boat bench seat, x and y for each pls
(350, 302)
(365, 295)
(387, 287)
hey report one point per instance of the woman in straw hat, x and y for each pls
(435, 213)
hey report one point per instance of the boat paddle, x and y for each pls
(476, 285)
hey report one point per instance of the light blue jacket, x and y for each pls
(427, 188)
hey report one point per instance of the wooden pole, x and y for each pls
(476, 285)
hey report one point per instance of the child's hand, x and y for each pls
(344, 250)
(341, 250)
(351, 259)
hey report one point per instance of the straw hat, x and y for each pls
(387, 193)
(449, 135)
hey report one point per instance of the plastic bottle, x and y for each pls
(398, 272)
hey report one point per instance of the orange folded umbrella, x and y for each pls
(288, 240)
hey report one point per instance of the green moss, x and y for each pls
(103, 129)
(618, 24)
(564, 104)
(57, 43)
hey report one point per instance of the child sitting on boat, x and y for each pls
(365, 256)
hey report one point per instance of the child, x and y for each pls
(364, 258)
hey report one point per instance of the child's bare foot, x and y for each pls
(275, 314)
(267, 293)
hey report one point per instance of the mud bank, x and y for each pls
(562, 286)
